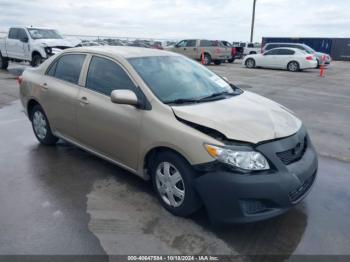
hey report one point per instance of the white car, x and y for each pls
(32, 45)
(291, 59)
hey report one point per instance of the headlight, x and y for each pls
(248, 160)
(48, 50)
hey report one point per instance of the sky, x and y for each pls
(177, 19)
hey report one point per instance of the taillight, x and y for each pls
(19, 80)
(234, 51)
(309, 58)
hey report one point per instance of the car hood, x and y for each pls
(55, 42)
(247, 117)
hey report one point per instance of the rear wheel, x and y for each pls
(36, 60)
(207, 59)
(293, 66)
(4, 62)
(41, 126)
(217, 62)
(173, 179)
(250, 63)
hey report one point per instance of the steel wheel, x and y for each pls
(40, 125)
(170, 184)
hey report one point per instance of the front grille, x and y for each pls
(251, 207)
(300, 191)
(294, 154)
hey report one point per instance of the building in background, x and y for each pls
(337, 48)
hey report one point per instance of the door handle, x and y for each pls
(84, 100)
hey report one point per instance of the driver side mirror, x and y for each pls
(24, 39)
(124, 97)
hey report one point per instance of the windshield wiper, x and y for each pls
(211, 97)
(219, 95)
(182, 101)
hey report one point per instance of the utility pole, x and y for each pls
(253, 21)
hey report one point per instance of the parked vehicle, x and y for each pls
(246, 48)
(213, 50)
(306, 48)
(292, 59)
(239, 50)
(164, 117)
(90, 43)
(233, 51)
(31, 44)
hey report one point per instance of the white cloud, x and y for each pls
(214, 19)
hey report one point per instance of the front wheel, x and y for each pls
(36, 60)
(173, 179)
(250, 63)
(41, 126)
(293, 66)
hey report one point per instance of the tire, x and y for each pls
(217, 62)
(207, 59)
(318, 63)
(172, 173)
(293, 66)
(41, 126)
(250, 63)
(4, 62)
(231, 60)
(36, 60)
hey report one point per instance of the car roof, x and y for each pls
(122, 51)
(285, 44)
(288, 48)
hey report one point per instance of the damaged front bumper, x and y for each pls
(233, 197)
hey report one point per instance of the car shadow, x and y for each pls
(69, 173)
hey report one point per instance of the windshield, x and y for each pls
(175, 78)
(309, 50)
(36, 33)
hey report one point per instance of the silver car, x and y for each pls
(164, 117)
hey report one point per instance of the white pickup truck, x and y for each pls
(247, 48)
(32, 45)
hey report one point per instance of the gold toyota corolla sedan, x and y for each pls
(202, 141)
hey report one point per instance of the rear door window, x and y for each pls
(104, 76)
(205, 43)
(13, 34)
(68, 68)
